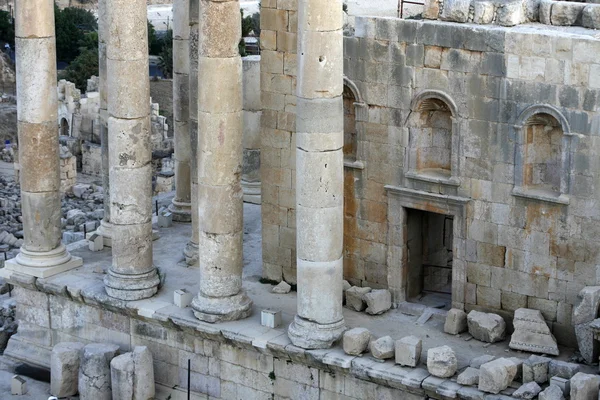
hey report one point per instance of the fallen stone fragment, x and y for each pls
(535, 369)
(584, 386)
(527, 391)
(354, 298)
(18, 386)
(408, 351)
(94, 371)
(477, 362)
(552, 392)
(64, 369)
(532, 333)
(563, 369)
(456, 322)
(486, 327)
(382, 348)
(356, 341)
(132, 375)
(563, 384)
(441, 362)
(496, 375)
(282, 288)
(378, 301)
(468, 377)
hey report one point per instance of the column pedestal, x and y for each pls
(182, 212)
(43, 264)
(131, 287)
(312, 335)
(220, 309)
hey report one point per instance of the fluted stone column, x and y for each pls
(42, 253)
(191, 249)
(319, 175)
(181, 206)
(105, 226)
(132, 275)
(220, 206)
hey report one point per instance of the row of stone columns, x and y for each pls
(208, 149)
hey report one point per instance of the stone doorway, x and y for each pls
(429, 263)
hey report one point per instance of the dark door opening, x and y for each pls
(429, 242)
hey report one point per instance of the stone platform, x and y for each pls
(239, 359)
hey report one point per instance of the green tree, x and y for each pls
(71, 26)
(155, 42)
(7, 28)
(82, 68)
(165, 58)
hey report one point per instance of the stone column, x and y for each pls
(191, 249)
(132, 275)
(105, 226)
(251, 137)
(220, 205)
(319, 175)
(42, 253)
(181, 206)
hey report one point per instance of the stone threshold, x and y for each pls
(245, 334)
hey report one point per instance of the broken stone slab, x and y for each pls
(64, 368)
(566, 13)
(282, 288)
(456, 322)
(408, 351)
(94, 371)
(354, 298)
(132, 375)
(441, 362)
(532, 333)
(510, 13)
(483, 12)
(535, 369)
(519, 363)
(496, 375)
(563, 369)
(382, 348)
(456, 10)
(584, 313)
(486, 327)
(469, 377)
(591, 16)
(527, 391)
(552, 392)
(584, 386)
(378, 301)
(356, 341)
(477, 362)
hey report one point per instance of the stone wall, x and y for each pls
(513, 114)
(91, 159)
(68, 173)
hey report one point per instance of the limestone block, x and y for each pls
(532, 333)
(134, 102)
(18, 386)
(527, 391)
(519, 363)
(563, 384)
(223, 76)
(354, 298)
(33, 21)
(216, 39)
(128, 37)
(64, 369)
(563, 369)
(282, 288)
(456, 322)
(455, 10)
(566, 13)
(382, 348)
(408, 351)
(441, 362)
(496, 375)
(483, 12)
(318, 78)
(535, 369)
(378, 301)
(432, 9)
(584, 386)
(319, 16)
(39, 164)
(165, 220)
(356, 341)
(270, 318)
(510, 13)
(469, 377)
(132, 375)
(552, 392)
(486, 327)
(94, 371)
(182, 298)
(96, 242)
(591, 16)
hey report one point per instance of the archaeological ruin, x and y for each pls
(375, 207)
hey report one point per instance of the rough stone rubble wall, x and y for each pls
(510, 250)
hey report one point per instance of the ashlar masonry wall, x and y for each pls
(495, 127)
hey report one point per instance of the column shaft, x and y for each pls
(191, 249)
(181, 205)
(42, 253)
(319, 175)
(132, 275)
(219, 152)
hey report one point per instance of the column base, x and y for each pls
(191, 254)
(252, 192)
(182, 212)
(43, 264)
(131, 287)
(312, 335)
(220, 309)
(105, 230)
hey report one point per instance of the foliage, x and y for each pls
(72, 24)
(250, 26)
(82, 68)
(156, 42)
(165, 58)
(7, 28)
